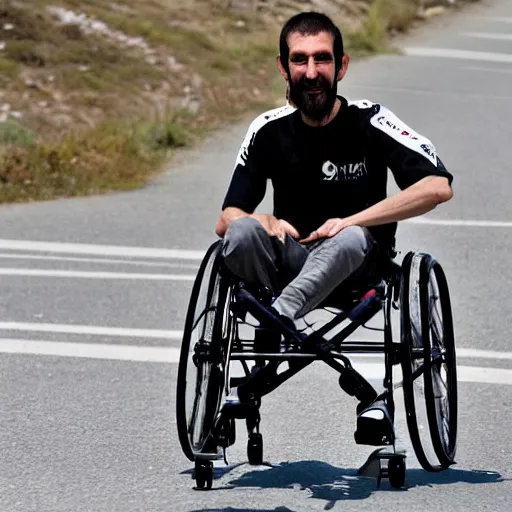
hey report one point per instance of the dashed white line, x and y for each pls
(172, 355)
(449, 53)
(93, 330)
(486, 70)
(94, 275)
(105, 261)
(460, 223)
(487, 35)
(501, 19)
(90, 351)
(103, 250)
(90, 330)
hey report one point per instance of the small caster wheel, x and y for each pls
(396, 472)
(204, 474)
(255, 449)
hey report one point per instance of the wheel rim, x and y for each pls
(201, 369)
(419, 372)
(441, 379)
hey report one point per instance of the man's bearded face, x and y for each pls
(312, 73)
(315, 98)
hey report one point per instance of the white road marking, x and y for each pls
(172, 355)
(20, 256)
(461, 223)
(102, 250)
(486, 70)
(91, 351)
(487, 35)
(418, 92)
(93, 275)
(483, 354)
(502, 19)
(178, 335)
(91, 330)
(449, 53)
(464, 373)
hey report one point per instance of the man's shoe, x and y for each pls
(374, 425)
(289, 342)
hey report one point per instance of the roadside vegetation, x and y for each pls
(96, 96)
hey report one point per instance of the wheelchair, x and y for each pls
(220, 331)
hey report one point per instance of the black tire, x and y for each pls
(428, 362)
(396, 472)
(255, 449)
(202, 365)
(203, 474)
(441, 380)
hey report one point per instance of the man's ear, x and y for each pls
(281, 68)
(344, 66)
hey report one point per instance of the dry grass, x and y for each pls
(196, 64)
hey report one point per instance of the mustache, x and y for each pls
(317, 83)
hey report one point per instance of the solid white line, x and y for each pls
(502, 19)
(482, 354)
(91, 351)
(93, 275)
(486, 70)
(178, 335)
(464, 373)
(461, 223)
(420, 92)
(103, 250)
(449, 53)
(487, 35)
(171, 355)
(20, 256)
(91, 330)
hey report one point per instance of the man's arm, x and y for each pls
(417, 199)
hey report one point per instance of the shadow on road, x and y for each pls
(325, 482)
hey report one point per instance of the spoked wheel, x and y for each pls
(428, 362)
(203, 358)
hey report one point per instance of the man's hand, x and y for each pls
(276, 227)
(328, 229)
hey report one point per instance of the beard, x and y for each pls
(318, 105)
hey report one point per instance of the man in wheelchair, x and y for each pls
(327, 159)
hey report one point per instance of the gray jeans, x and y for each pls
(302, 275)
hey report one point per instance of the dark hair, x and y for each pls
(310, 23)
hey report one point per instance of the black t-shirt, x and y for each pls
(337, 170)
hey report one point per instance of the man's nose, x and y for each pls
(311, 72)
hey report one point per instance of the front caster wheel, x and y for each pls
(204, 474)
(396, 472)
(255, 449)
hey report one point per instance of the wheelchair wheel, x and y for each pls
(428, 362)
(203, 357)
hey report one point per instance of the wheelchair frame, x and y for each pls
(422, 358)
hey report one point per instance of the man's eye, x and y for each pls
(323, 57)
(299, 59)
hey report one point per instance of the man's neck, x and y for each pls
(327, 119)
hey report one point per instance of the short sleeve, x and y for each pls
(249, 180)
(410, 156)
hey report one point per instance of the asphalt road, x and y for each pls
(93, 295)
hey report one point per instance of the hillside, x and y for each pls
(96, 95)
